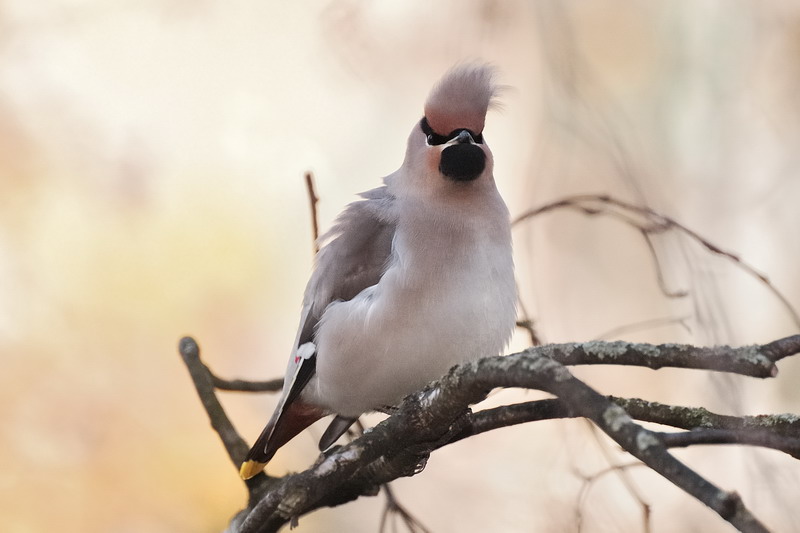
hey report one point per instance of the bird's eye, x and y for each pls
(434, 139)
(431, 137)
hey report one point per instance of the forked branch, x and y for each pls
(439, 415)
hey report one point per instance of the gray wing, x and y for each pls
(353, 256)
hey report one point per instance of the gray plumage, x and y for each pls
(412, 279)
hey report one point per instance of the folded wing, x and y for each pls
(353, 256)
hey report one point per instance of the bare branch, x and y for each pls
(398, 447)
(511, 415)
(234, 444)
(763, 438)
(650, 222)
(622, 473)
(526, 322)
(619, 470)
(527, 325)
(395, 508)
(781, 432)
(203, 383)
(660, 278)
(754, 361)
(644, 325)
(439, 415)
(313, 200)
(637, 441)
(242, 385)
(699, 417)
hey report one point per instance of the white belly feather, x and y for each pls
(395, 337)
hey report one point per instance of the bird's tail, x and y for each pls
(285, 424)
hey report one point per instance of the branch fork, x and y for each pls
(437, 416)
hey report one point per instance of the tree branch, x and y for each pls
(755, 361)
(313, 201)
(397, 445)
(439, 415)
(761, 438)
(512, 415)
(780, 432)
(242, 385)
(204, 384)
(649, 222)
(699, 417)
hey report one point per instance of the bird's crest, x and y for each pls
(461, 99)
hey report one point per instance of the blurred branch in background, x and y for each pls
(649, 222)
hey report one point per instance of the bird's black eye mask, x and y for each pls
(435, 139)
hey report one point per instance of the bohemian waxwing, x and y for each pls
(411, 280)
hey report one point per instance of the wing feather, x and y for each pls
(354, 253)
(353, 257)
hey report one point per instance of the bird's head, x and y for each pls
(446, 149)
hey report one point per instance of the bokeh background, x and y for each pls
(151, 185)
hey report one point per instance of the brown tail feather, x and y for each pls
(282, 428)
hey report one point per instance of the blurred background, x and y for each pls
(151, 186)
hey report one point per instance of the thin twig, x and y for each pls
(243, 385)
(234, 444)
(659, 270)
(313, 200)
(653, 223)
(626, 480)
(762, 438)
(395, 508)
(699, 417)
(511, 415)
(642, 326)
(527, 325)
(589, 481)
(526, 322)
(203, 383)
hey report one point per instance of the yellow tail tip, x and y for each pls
(250, 469)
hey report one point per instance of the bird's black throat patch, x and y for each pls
(462, 162)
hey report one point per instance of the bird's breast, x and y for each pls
(434, 307)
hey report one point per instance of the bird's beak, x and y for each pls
(462, 138)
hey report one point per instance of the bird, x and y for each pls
(415, 277)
